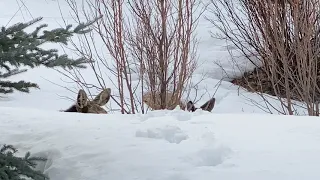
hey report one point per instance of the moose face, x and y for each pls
(83, 105)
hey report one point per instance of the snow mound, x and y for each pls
(210, 156)
(172, 134)
(160, 146)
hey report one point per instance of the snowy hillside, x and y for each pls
(166, 145)
(237, 141)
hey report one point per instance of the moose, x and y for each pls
(83, 105)
(208, 106)
(153, 101)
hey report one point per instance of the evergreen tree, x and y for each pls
(19, 48)
(17, 168)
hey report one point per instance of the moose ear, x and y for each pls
(209, 105)
(82, 99)
(102, 98)
(190, 106)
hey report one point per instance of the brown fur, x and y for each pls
(83, 105)
(154, 104)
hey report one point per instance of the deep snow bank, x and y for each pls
(166, 145)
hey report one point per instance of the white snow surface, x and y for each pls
(236, 141)
(164, 145)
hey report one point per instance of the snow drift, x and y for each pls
(166, 145)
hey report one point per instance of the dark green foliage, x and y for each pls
(17, 168)
(19, 48)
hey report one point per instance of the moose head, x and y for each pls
(83, 105)
(208, 106)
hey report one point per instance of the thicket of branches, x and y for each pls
(148, 50)
(281, 39)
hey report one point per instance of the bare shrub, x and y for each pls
(166, 46)
(281, 39)
(150, 44)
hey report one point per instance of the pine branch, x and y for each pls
(22, 86)
(17, 168)
(19, 48)
(12, 73)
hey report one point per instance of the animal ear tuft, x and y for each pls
(103, 98)
(190, 106)
(209, 105)
(82, 99)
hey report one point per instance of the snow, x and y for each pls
(238, 140)
(164, 145)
